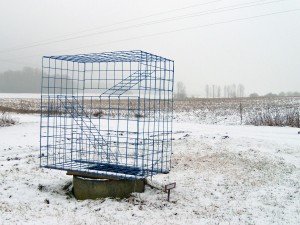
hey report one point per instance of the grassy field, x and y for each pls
(269, 111)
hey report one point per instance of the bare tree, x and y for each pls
(241, 91)
(180, 91)
(225, 90)
(233, 88)
(213, 90)
(229, 91)
(219, 92)
(207, 91)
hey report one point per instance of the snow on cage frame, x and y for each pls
(107, 114)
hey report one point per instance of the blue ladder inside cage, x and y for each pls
(88, 128)
(127, 83)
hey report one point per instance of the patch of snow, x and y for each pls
(224, 174)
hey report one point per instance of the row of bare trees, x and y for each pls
(213, 91)
(27, 80)
(180, 91)
(281, 94)
(229, 91)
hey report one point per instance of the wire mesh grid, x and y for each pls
(108, 114)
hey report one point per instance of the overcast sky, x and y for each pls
(256, 43)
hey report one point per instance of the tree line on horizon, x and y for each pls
(229, 91)
(27, 80)
(281, 94)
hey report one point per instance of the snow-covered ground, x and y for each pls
(225, 174)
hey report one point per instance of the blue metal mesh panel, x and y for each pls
(108, 114)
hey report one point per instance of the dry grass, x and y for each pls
(6, 120)
(276, 117)
(261, 111)
(267, 111)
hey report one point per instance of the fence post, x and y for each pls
(241, 112)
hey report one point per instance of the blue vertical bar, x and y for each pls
(41, 116)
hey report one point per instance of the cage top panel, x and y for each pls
(118, 56)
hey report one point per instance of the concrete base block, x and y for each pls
(89, 188)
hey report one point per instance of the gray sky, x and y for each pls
(212, 41)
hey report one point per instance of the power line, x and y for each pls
(176, 18)
(114, 24)
(174, 31)
(137, 25)
(201, 13)
(179, 30)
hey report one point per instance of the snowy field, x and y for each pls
(225, 174)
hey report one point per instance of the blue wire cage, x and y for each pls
(107, 114)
